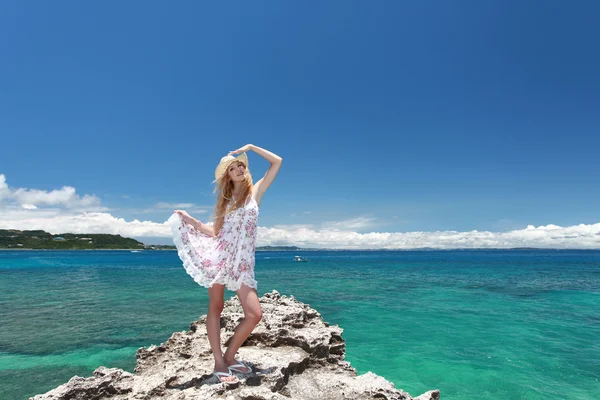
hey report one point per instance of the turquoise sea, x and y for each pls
(485, 324)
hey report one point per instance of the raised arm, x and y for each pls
(263, 184)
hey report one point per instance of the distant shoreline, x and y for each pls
(136, 250)
(324, 249)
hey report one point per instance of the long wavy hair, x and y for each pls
(224, 190)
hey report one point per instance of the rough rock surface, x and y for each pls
(294, 354)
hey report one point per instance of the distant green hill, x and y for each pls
(15, 239)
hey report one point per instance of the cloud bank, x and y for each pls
(32, 198)
(85, 222)
(549, 236)
(63, 211)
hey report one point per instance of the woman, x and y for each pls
(222, 255)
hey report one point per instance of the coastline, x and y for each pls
(340, 250)
(136, 250)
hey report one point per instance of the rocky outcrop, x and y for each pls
(294, 354)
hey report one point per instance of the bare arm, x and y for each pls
(207, 230)
(188, 219)
(263, 184)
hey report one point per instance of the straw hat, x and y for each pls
(226, 161)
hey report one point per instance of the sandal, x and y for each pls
(241, 368)
(224, 375)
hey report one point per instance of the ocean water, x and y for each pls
(487, 324)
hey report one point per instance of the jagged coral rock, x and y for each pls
(294, 354)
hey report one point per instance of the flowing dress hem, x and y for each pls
(175, 222)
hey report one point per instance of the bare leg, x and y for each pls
(213, 328)
(252, 316)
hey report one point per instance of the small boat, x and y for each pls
(135, 251)
(300, 259)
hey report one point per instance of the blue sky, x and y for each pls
(390, 116)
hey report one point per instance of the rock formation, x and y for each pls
(294, 354)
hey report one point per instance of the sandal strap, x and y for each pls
(218, 373)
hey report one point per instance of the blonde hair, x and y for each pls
(224, 190)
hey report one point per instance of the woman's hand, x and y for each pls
(187, 218)
(182, 213)
(242, 149)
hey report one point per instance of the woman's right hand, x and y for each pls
(187, 218)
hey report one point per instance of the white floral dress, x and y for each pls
(227, 259)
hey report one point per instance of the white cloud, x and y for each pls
(94, 222)
(4, 191)
(65, 197)
(66, 216)
(549, 236)
(350, 224)
(63, 211)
